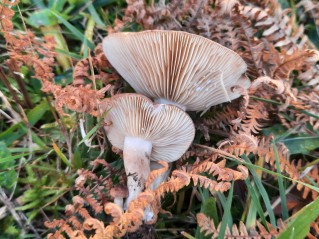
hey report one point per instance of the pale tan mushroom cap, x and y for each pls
(188, 69)
(168, 128)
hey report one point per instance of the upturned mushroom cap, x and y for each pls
(189, 70)
(168, 128)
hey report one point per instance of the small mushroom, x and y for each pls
(145, 132)
(119, 192)
(174, 67)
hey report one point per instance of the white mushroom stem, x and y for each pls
(148, 213)
(160, 178)
(168, 102)
(136, 154)
(119, 202)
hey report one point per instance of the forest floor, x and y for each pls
(251, 170)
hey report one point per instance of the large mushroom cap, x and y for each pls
(180, 67)
(168, 128)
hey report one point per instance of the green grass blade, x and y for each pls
(227, 213)
(299, 224)
(256, 202)
(94, 129)
(263, 193)
(13, 157)
(61, 155)
(37, 112)
(90, 133)
(69, 54)
(187, 235)
(282, 190)
(96, 16)
(73, 30)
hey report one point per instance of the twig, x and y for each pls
(18, 217)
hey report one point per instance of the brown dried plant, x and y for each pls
(93, 191)
(207, 226)
(25, 49)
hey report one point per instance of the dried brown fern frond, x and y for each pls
(26, 49)
(222, 119)
(220, 171)
(82, 99)
(208, 227)
(6, 12)
(232, 30)
(177, 181)
(282, 64)
(98, 226)
(186, 175)
(99, 62)
(312, 9)
(240, 143)
(277, 27)
(93, 195)
(283, 158)
(226, 7)
(200, 153)
(314, 229)
(255, 112)
(72, 226)
(310, 102)
(305, 100)
(311, 174)
(159, 15)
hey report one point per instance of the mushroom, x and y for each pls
(118, 193)
(145, 132)
(175, 67)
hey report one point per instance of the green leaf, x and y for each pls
(299, 224)
(301, 145)
(8, 177)
(227, 213)
(209, 208)
(42, 18)
(18, 130)
(77, 160)
(57, 5)
(76, 2)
